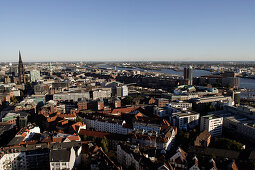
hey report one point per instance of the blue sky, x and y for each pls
(115, 30)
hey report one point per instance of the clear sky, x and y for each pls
(110, 30)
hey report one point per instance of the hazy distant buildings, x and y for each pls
(227, 79)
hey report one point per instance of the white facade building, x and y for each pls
(126, 158)
(152, 139)
(15, 160)
(101, 93)
(185, 120)
(35, 75)
(71, 96)
(107, 126)
(64, 159)
(124, 91)
(147, 127)
(181, 105)
(212, 124)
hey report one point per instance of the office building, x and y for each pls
(212, 124)
(185, 120)
(188, 75)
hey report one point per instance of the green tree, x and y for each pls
(21, 93)
(78, 119)
(212, 108)
(225, 143)
(127, 100)
(186, 135)
(14, 99)
(104, 144)
(85, 137)
(97, 141)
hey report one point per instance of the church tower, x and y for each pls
(21, 70)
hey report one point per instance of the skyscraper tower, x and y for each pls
(188, 75)
(21, 70)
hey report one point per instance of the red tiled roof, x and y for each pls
(63, 122)
(57, 139)
(76, 126)
(139, 114)
(93, 133)
(124, 110)
(67, 115)
(74, 138)
(47, 139)
(31, 142)
(104, 111)
(52, 119)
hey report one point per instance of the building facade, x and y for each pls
(34, 75)
(212, 124)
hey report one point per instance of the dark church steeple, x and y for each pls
(21, 70)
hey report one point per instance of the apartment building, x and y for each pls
(181, 105)
(162, 102)
(185, 119)
(212, 124)
(106, 124)
(163, 141)
(72, 96)
(12, 159)
(64, 158)
(43, 156)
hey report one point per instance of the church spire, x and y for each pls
(20, 60)
(21, 70)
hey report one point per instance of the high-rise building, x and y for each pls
(188, 75)
(21, 70)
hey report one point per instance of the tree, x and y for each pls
(85, 138)
(78, 119)
(212, 108)
(186, 135)
(14, 99)
(21, 93)
(97, 141)
(104, 144)
(112, 155)
(225, 143)
(132, 166)
(127, 100)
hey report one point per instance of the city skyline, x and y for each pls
(127, 31)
